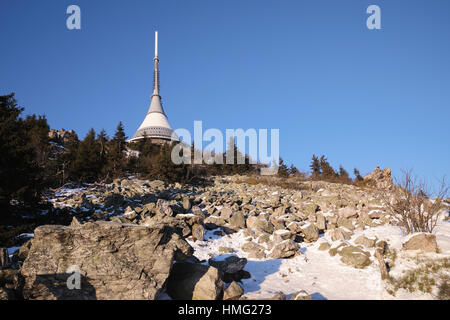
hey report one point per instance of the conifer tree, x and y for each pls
(66, 160)
(116, 156)
(283, 170)
(87, 165)
(293, 170)
(19, 172)
(357, 175)
(343, 173)
(102, 141)
(315, 167)
(326, 169)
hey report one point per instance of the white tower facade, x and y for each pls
(155, 125)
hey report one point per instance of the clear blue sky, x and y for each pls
(310, 68)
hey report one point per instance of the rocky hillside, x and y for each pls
(238, 238)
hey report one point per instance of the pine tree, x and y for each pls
(87, 165)
(293, 170)
(283, 170)
(102, 141)
(326, 169)
(343, 173)
(315, 167)
(116, 157)
(67, 159)
(357, 175)
(20, 176)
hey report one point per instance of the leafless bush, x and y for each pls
(410, 202)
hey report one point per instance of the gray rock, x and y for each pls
(301, 295)
(346, 223)
(238, 220)
(369, 243)
(233, 292)
(226, 250)
(198, 232)
(340, 234)
(324, 246)
(116, 261)
(281, 235)
(354, 257)
(228, 263)
(163, 208)
(22, 253)
(320, 221)
(285, 249)
(186, 204)
(423, 241)
(278, 296)
(254, 250)
(263, 225)
(190, 281)
(225, 213)
(348, 212)
(310, 233)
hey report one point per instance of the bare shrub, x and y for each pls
(410, 202)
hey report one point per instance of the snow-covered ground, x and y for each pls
(323, 276)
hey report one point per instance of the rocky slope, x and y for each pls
(248, 239)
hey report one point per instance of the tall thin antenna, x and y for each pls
(156, 43)
(156, 68)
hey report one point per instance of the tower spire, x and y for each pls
(155, 125)
(156, 69)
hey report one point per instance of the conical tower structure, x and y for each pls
(155, 125)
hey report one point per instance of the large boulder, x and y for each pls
(198, 232)
(367, 242)
(254, 250)
(263, 225)
(380, 179)
(310, 232)
(422, 241)
(189, 281)
(285, 249)
(163, 208)
(228, 263)
(233, 292)
(355, 257)
(238, 220)
(339, 234)
(115, 261)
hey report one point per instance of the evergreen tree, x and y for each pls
(357, 175)
(293, 170)
(88, 164)
(326, 169)
(67, 158)
(283, 170)
(102, 141)
(315, 167)
(20, 176)
(116, 156)
(343, 173)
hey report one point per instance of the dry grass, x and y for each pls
(430, 275)
(295, 183)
